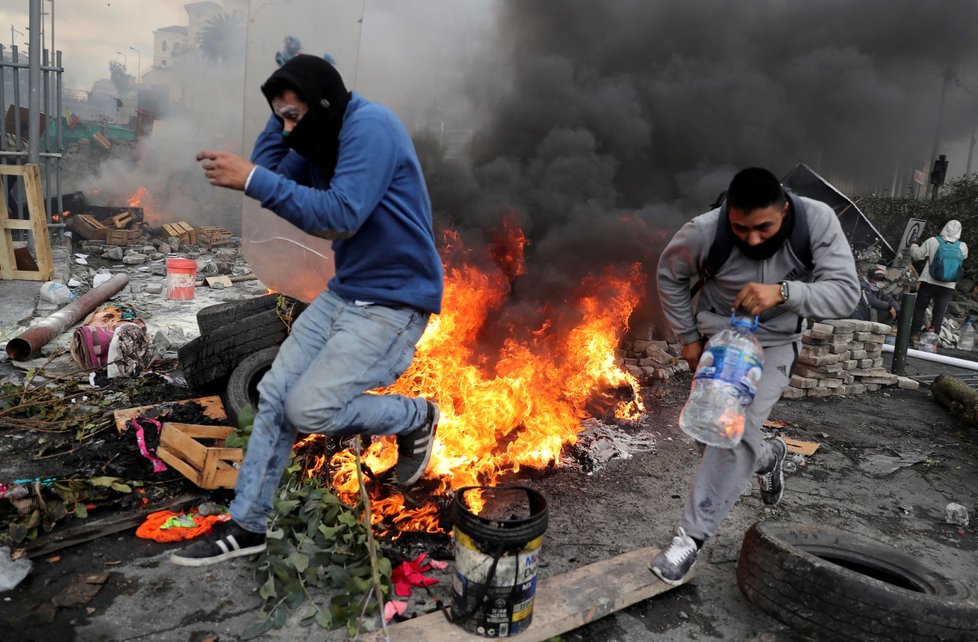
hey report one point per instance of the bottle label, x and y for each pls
(733, 366)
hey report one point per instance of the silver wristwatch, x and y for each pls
(784, 291)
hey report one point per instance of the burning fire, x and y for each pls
(518, 407)
(142, 198)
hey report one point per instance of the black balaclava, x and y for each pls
(317, 83)
(767, 249)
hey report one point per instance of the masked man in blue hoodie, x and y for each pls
(763, 274)
(338, 166)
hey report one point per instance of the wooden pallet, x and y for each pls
(121, 220)
(35, 224)
(88, 227)
(183, 231)
(211, 237)
(121, 237)
(198, 453)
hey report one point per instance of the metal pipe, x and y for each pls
(34, 85)
(907, 303)
(936, 358)
(30, 341)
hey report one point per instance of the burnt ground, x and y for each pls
(627, 504)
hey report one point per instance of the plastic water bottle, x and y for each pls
(928, 340)
(967, 339)
(724, 385)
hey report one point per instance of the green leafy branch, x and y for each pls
(317, 542)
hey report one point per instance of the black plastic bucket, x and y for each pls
(496, 562)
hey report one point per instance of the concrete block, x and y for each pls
(841, 338)
(858, 354)
(804, 370)
(816, 351)
(907, 383)
(865, 363)
(869, 372)
(803, 382)
(813, 360)
(840, 326)
(819, 391)
(877, 362)
(887, 380)
(792, 393)
(823, 327)
(831, 382)
(856, 388)
(815, 338)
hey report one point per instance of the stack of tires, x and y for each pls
(238, 342)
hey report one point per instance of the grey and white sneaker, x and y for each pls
(414, 449)
(674, 562)
(772, 482)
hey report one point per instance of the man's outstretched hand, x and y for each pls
(225, 169)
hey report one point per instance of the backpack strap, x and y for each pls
(723, 242)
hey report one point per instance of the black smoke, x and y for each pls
(610, 123)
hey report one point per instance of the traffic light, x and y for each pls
(939, 172)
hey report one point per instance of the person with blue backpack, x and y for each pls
(945, 254)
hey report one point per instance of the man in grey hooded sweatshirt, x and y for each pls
(762, 276)
(929, 287)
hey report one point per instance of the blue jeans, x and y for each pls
(335, 352)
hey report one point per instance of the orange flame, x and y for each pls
(517, 407)
(142, 198)
(137, 198)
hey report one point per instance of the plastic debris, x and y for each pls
(12, 572)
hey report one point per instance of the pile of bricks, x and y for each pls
(650, 361)
(842, 357)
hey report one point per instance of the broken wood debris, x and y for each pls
(211, 407)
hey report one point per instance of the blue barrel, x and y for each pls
(496, 562)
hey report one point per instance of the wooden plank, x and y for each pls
(212, 406)
(94, 529)
(561, 604)
(805, 448)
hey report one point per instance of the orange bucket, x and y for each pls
(181, 276)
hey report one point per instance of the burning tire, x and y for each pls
(832, 585)
(242, 389)
(213, 356)
(216, 316)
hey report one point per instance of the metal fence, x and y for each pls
(16, 78)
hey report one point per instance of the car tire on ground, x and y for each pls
(217, 316)
(211, 357)
(834, 585)
(242, 388)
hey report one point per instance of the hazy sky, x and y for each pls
(90, 32)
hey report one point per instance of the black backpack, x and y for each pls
(723, 242)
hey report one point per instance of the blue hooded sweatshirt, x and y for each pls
(375, 207)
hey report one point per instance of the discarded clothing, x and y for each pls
(148, 436)
(111, 337)
(169, 526)
(411, 573)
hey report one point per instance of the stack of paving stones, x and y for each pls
(650, 361)
(842, 357)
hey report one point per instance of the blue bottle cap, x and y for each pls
(743, 322)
